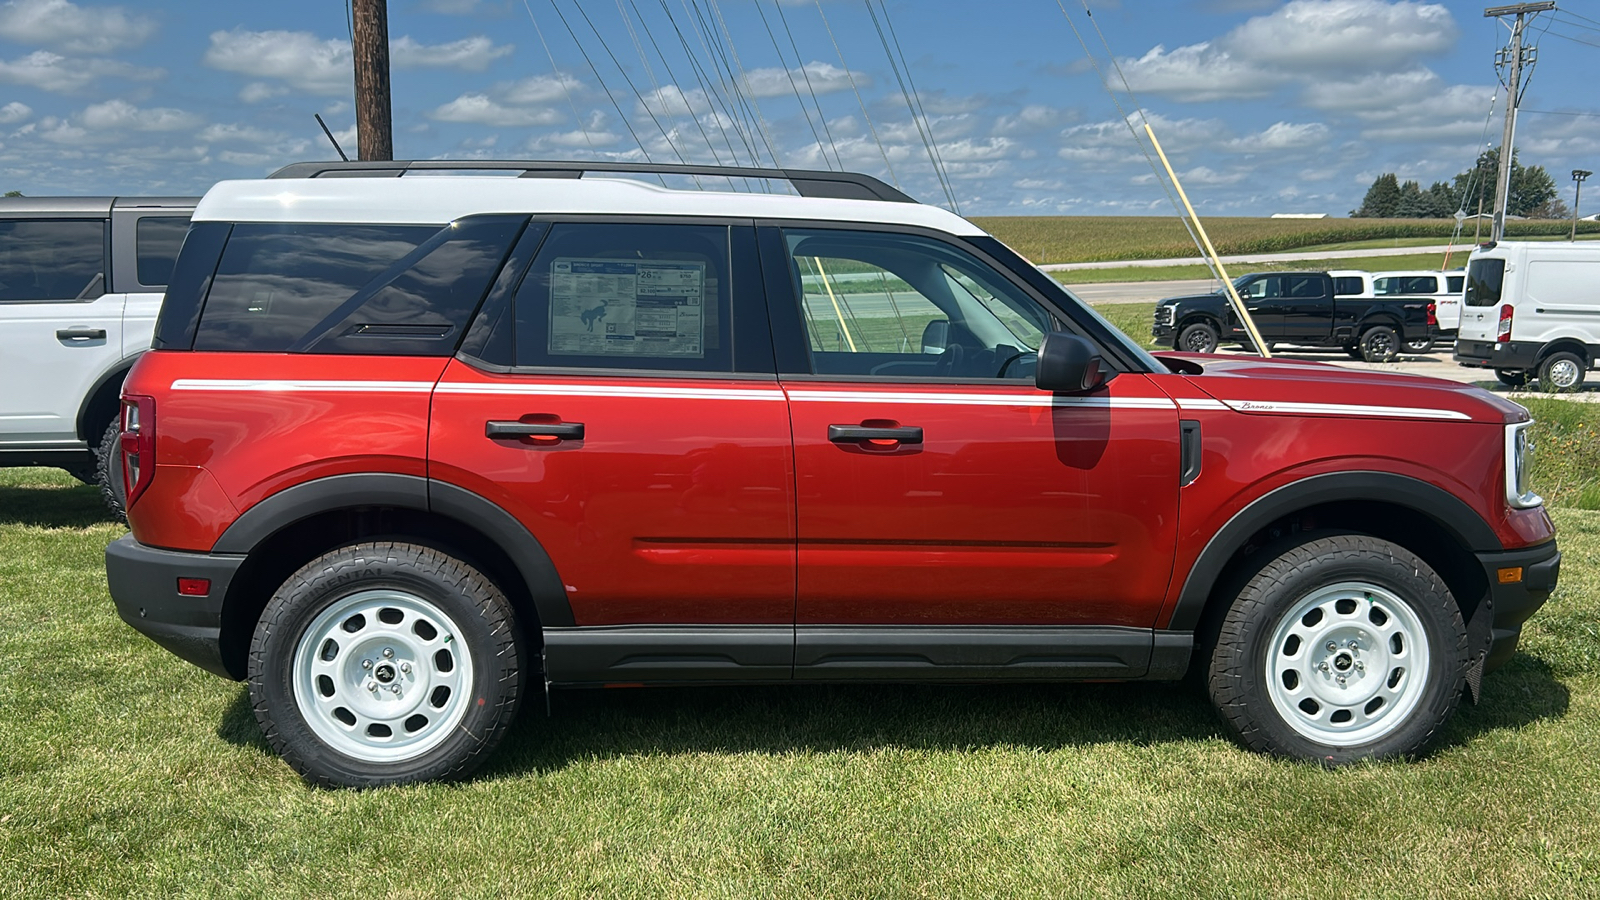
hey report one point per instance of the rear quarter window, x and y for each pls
(1347, 286)
(360, 289)
(157, 240)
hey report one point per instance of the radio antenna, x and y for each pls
(331, 139)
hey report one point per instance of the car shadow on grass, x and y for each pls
(49, 506)
(804, 719)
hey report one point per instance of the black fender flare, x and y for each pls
(1556, 345)
(337, 492)
(1442, 507)
(117, 374)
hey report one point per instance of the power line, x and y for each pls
(784, 63)
(712, 96)
(915, 95)
(804, 73)
(893, 67)
(672, 75)
(597, 77)
(863, 103)
(560, 79)
(761, 120)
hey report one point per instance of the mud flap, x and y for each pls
(1480, 635)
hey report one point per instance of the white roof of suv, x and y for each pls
(417, 199)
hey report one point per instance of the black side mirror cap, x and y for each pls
(1068, 364)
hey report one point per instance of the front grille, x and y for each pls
(1164, 315)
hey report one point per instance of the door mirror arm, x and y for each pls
(1068, 364)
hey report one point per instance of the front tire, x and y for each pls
(1343, 648)
(385, 663)
(1198, 337)
(1511, 377)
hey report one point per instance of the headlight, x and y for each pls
(1519, 467)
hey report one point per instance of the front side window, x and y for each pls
(903, 305)
(1268, 288)
(157, 240)
(52, 259)
(1484, 277)
(627, 296)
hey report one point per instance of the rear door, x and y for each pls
(943, 500)
(144, 246)
(1307, 309)
(619, 399)
(59, 328)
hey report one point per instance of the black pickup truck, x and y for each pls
(1297, 308)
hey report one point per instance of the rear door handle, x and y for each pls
(81, 334)
(855, 434)
(561, 431)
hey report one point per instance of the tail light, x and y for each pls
(1433, 312)
(1503, 331)
(138, 444)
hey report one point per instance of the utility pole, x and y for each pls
(1578, 175)
(370, 48)
(1514, 56)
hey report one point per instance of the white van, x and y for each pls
(1444, 287)
(1532, 309)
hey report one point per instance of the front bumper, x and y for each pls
(1519, 355)
(1509, 605)
(144, 585)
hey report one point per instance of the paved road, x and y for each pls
(1259, 257)
(1138, 291)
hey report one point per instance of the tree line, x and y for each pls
(1533, 194)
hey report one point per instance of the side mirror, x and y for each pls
(1068, 364)
(936, 336)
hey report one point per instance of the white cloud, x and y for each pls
(1030, 119)
(119, 115)
(258, 91)
(52, 72)
(14, 112)
(1283, 136)
(479, 109)
(239, 134)
(308, 63)
(824, 79)
(1197, 73)
(67, 26)
(541, 89)
(471, 54)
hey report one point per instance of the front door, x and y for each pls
(936, 486)
(637, 430)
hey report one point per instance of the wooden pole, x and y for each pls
(1233, 294)
(374, 126)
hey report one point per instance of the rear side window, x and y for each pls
(157, 240)
(1303, 286)
(362, 289)
(1484, 277)
(628, 296)
(52, 259)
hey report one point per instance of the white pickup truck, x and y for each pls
(81, 282)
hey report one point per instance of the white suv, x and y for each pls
(81, 281)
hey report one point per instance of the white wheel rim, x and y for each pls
(1347, 664)
(382, 676)
(1564, 373)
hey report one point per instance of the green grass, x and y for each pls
(1052, 239)
(125, 772)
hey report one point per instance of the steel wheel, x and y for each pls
(1347, 664)
(381, 677)
(1562, 372)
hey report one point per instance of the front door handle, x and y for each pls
(81, 334)
(855, 434)
(558, 431)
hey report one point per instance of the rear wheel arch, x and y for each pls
(101, 404)
(283, 532)
(1425, 519)
(1567, 345)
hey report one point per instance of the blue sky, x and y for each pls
(1264, 106)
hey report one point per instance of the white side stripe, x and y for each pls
(596, 390)
(1344, 409)
(282, 386)
(1186, 403)
(1016, 400)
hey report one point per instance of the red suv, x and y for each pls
(408, 448)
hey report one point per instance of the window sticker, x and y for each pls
(620, 307)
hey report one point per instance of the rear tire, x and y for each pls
(1379, 344)
(1562, 372)
(108, 472)
(1353, 351)
(1389, 683)
(1198, 337)
(1419, 345)
(385, 663)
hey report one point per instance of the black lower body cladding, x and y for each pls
(1511, 602)
(144, 585)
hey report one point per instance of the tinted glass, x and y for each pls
(157, 239)
(906, 306)
(56, 259)
(1456, 283)
(628, 297)
(1347, 286)
(380, 289)
(1303, 286)
(1484, 277)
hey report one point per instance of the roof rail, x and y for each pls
(808, 183)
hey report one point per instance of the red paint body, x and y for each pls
(696, 500)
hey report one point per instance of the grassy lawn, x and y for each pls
(125, 772)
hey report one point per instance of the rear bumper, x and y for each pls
(144, 586)
(1509, 605)
(1497, 354)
